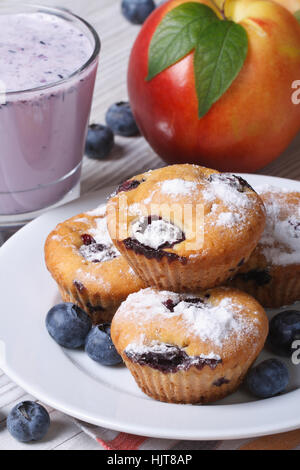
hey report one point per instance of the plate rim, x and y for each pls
(292, 423)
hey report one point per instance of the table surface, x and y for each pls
(130, 156)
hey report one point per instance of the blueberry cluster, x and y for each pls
(271, 377)
(101, 139)
(72, 328)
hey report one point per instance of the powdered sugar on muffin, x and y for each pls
(87, 267)
(233, 193)
(272, 273)
(184, 348)
(213, 323)
(168, 358)
(101, 248)
(155, 346)
(177, 186)
(201, 226)
(280, 242)
(228, 219)
(156, 233)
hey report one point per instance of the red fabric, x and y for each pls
(123, 441)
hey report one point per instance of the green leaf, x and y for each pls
(219, 56)
(177, 35)
(297, 14)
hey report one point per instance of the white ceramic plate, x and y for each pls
(71, 382)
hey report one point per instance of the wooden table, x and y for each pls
(130, 156)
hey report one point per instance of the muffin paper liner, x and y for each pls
(175, 275)
(191, 386)
(90, 304)
(282, 290)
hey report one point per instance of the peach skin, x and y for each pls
(254, 120)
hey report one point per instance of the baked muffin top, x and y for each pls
(280, 242)
(82, 249)
(212, 325)
(187, 210)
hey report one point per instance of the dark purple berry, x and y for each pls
(120, 120)
(136, 11)
(28, 421)
(87, 239)
(99, 142)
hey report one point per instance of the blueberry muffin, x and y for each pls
(272, 274)
(184, 348)
(185, 227)
(87, 267)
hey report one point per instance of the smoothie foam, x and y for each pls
(37, 49)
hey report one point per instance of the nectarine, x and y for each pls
(252, 122)
(291, 5)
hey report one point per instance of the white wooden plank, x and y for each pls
(79, 442)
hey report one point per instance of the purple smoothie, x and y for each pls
(48, 68)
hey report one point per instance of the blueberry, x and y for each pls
(28, 421)
(100, 348)
(284, 330)
(136, 11)
(268, 378)
(68, 325)
(99, 142)
(120, 119)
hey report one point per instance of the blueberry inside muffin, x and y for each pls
(184, 348)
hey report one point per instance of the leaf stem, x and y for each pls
(220, 10)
